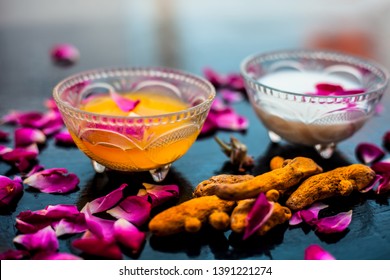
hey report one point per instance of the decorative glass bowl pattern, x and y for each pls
(306, 117)
(134, 143)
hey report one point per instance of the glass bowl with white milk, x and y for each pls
(313, 97)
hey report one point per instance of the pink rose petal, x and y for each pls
(134, 209)
(43, 240)
(31, 221)
(4, 150)
(25, 136)
(10, 190)
(125, 104)
(159, 194)
(213, 77)
(104, 203)
(101, 247)
(3, 135)
(55, 256)
(326, 89)
(235, 81)
(14, 255)
(129, 235)
(64, 138)
(51, 104)
(231, 96)
(64, 54)
(36, 168)
(316, 252)
(54, 180)
(368, 153)
(70, 226)
(258, 215)
(310, 215)
(21, 157)
(381, 184)
(100, 228)
(332, 224)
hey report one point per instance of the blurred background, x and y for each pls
(188, 34)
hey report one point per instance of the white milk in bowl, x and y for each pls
(306, 119)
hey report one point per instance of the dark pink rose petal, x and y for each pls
(232, 121)
(55, 256)
(43, 240)
(70, 226)
(31, 221)
(310, 215)
(374, 184)
(134, 209)
(213, 77)
(332, 224)
(21, 157)
(14, 255)
(64, 138)
(36, 168)
(54, 180)
(100, 228)
(104, 203)
(51, 104)
(235, 81)
(3, 135)
(159, 194)
(125, 104)
(258, 215)
(327, 89)
(10, 190)
(368, 153)
(4, 150)
(95, 246)
(316, 252)
(53, 124)
(64, 54)
(129, 235)
(231, 96)
(25, 136)
(382, 169)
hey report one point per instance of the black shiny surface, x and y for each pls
(27, 76)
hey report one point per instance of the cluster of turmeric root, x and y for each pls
(224, 201)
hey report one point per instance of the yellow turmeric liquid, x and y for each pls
(137, 148)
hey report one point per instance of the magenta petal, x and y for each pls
(64, 54)
(316, 252)
(235, 81)
(161, 194)
(104, 203)
(3, 135)
(231, 96)
(213, 77)
(368, 153)
(100, 228)
(54, 180)
(21, 157)
(92, 245)
(10, 190)
(14, 255)
(296, 219)
(327, 89)
(51, 104)
(232, 121)
(332, 224)
(125, 104)
(55, 256)
(43, 240)
(134, 209)
(258, 215)
(129, 235)
(4, 150)
(384, 184)
(310, 215)
(25, 136)
(64, 138)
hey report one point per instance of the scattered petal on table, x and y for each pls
(316, 252)
(55, 256)
(14, 255)
(10, 190)
(129, 235)
(65, 54)
(63, 138)
(54, 180)
(368, 153)
(159, 194)
(104, 203)
(25, 136)
(43, 240)
(336, 223)
(134, 209)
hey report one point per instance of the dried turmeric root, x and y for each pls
(337, 182)
(238, 219)
(207, 187)
(276, 162)
(281, 179)
(189, 216)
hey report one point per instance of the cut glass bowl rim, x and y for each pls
(120, 71)
(316, 54)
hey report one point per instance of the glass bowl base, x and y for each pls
(158, 174)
